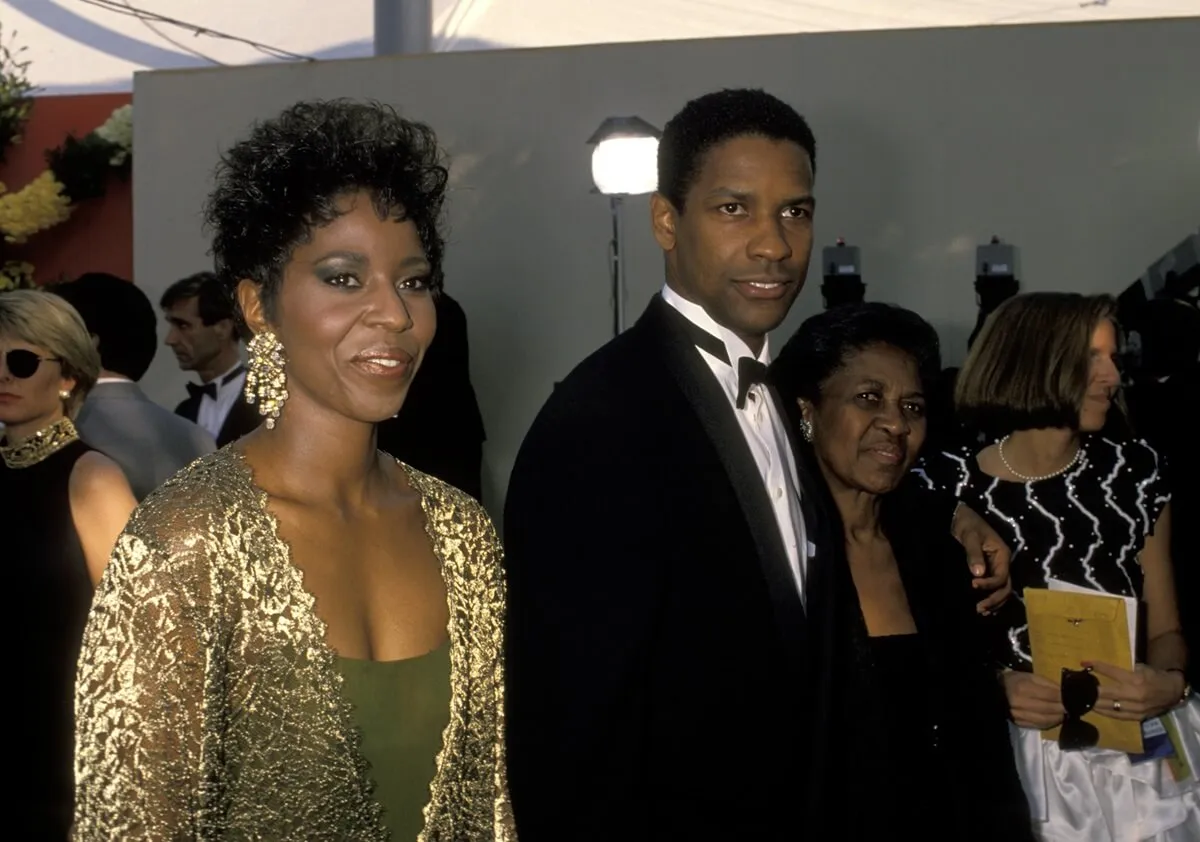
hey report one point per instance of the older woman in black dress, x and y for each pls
(920, 720)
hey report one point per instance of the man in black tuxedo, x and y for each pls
(659, 557)
(669, 632)
(204, 338)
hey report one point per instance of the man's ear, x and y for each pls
(663, 218)
(249, 296)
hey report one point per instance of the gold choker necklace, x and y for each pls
(40, 445)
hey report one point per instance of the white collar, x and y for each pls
(224, 378)
(697, 315)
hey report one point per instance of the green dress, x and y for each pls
(401, 709)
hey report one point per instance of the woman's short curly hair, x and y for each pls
(285, 178)
(824, 342)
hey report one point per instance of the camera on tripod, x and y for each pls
(996, 279)
(842, 269)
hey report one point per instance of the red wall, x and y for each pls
(99, 235)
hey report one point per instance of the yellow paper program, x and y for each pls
(1066, 629)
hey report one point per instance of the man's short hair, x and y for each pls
(212, 301)
(715, 118)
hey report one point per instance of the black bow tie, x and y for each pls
(749, 370)
(210, 388)
(197, 391)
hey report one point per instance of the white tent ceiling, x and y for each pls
(96, 45)
(535, 23)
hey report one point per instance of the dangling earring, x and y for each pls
(64, 394)
(806, 429)
(266, 382)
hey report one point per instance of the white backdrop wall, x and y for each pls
(1079, 143)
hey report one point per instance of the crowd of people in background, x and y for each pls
(738, 594)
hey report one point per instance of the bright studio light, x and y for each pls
(625, 158)
(626, 165)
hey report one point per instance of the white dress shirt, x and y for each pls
(762, 425)
(212, 412)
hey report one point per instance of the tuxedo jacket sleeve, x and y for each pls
(583, 541)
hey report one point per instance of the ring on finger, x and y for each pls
(1117, 705)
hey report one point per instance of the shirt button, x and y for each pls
(778, 492)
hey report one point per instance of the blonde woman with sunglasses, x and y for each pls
(62, 506)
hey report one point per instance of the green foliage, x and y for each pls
(82, 166)
(16, 91)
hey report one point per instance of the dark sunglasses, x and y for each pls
(1080, 690)
(23, 364)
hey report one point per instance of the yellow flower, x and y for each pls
(37, 206)
(15, 274)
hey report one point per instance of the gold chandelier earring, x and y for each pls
(266, 382)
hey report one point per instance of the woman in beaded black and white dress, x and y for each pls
(1092, 512)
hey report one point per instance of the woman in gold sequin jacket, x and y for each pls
(299, 637)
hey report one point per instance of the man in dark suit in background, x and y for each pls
(149, 443)
(205, 339)
(440, 429)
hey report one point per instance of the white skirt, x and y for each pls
(1097, 795)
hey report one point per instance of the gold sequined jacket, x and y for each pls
(209, 707)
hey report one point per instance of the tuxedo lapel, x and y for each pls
(808, 491)
(717, 417)
(189, 408)
(833, 629)
(816, 523)
(241, 420)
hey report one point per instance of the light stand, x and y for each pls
(624, 163)
(617, 265)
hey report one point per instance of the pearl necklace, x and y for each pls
(1026, 478)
